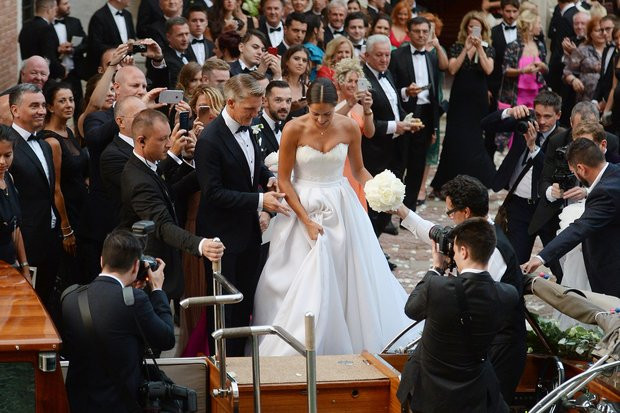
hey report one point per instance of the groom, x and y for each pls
(232, 177)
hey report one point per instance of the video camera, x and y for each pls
(158, 394)
(562, 174)
(522, 124)
(444, 238)
(141, 230)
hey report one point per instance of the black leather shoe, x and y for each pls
(392, 265)
(390, 229)
(387, 257)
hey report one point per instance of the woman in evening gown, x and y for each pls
(325, 258)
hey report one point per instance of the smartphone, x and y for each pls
(425, 87)
(272, 50)
(477, 31)
(136, 48)
(171, 96)
(363, 85)
(184, 120)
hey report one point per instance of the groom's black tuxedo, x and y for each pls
(229, 210)
(446, 372)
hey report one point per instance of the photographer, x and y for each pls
(106, 361)
(449, 370)
(466, 198)
(520, 171)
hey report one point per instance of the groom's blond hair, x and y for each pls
(242, 86)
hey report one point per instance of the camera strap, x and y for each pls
(84, 306)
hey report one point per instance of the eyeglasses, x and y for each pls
(452, 211)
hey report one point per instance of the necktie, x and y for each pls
(506, 27)
(119, 13)
(59, 21)
(419, 52)
(338, 31)
(33, 137)
(198, 41)
(277, 29)
(358, 46)
(382, 75)
(242, 128)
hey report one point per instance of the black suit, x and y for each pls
(329, 35)
(229, 210)
(174, 64)
(39, 38)
(262, 27)
(415, 146)
(445, 372)
(282, 49)
(606, 79)
(89, 387)
(148, 12)
(103, 34)
(208, 48)
(266, 138)
(157, 31)
(146, 196)
(598, 229)
(111, 165)
(561, 26)
(36, 198)
(74, 28)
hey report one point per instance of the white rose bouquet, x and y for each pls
(271, 161)
(385, 192)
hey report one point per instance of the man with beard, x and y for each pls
(276, 107)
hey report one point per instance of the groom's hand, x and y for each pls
(272, 203)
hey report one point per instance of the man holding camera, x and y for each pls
(449, 370)
(520, 171)
(598, 229)
(105, 359)
(466, 198)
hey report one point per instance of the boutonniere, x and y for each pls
(257, 128)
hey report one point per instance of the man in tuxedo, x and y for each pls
(110, 26)
(253, 57)
(34, 177)
(295, 27)
(466, 197)
(148, 12)
(111, 353)
(175, 50)
(232, 176)
(270, 22)
(215, 72)
(598, 229)
(560, 27)
(521, 169)
(200, 48)
(355, 26)
(605, 82)
(450, 369)
(336, 13)
(380, 152)
(276, 107)
(501, 35)
(145, 195)
(553, 198)
(158, 29)
(66, 27)
(37, 37)
(416, 77)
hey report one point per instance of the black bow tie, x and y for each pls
(419, 52)
(33, 137)
(277, 29)
(119, 13)
(338, 31)
(246, 70)
(358, 46)
(278, 127)
(198, 41)
(59, 21)
(382, 75)
(506, 27)
(242, 128)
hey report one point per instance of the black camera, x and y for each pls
(141, 230)
(562, 174)
(444, 238)
(159, 396)
(136, 48)
(522, 124)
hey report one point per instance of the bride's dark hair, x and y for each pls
(322, 90)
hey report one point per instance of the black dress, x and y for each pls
(463, 147)
(10, 217)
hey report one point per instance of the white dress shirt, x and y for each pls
(421, 77)
(392, 98)
(244, 66)
(61, 32)
(275, 37)
(272, 125)
(121, 24)
(598, 178)
(245, 143)
(511, 34)
(199, 49)
(126, 139)
(36, 148)
(334, 30)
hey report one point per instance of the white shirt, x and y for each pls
(598, 178)
(36, 148)
(199, 49)
(272, 125)
(334, 30)
(114, 278)
(275, 37)
(61, 32)
(121, 24)
(244, 66)
(420, 228)
(245, 143)
(421, 78)
(509, 35)
(182, 57)
(392, 98)
(126, 139)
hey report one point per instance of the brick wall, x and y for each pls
(10, 15)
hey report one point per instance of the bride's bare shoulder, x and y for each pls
(295, 125)
(342, 121)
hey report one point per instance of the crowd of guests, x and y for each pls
(65, 149)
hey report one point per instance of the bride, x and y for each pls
(326, 259)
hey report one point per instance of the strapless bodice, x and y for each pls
(314, 165)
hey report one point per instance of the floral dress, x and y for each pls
(585, 64)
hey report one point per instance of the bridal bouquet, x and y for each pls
(271, 161)
(385, 192)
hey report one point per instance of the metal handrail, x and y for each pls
(233, 296)
(308, 351)
(572, 385)
(399, 335)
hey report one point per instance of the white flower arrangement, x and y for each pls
(257, 128)
(271, 161)
(385, 192)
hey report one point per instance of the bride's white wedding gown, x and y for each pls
(342, 277)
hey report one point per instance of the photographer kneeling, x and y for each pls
(105, 360)
(449, 370)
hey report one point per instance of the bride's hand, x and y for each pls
(314, 230)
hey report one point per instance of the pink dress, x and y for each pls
(527, 85)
